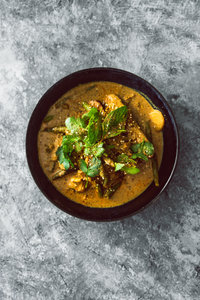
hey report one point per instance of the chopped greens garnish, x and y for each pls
(96, 150)
(143, 150)
(87, 143)
(93, 167)
(63, 158)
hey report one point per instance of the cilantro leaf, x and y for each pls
(96, 150)
(144, 149)
(139, 155)
(114, 118)
(74, 125)
(64, 158)
(93, 167)
(131, 170)
(118, 166)
(148, 149)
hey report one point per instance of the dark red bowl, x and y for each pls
(170, 153)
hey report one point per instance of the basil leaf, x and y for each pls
(78, 146)
(115, 133)
(66, 163)
(74, 125)
(96, 150)
(83, 166)
(71, 141)
(118, 166)
(94, 130)
(93, 111)
(114, 118)
(94, 167)
(60, 154)
(131, 170)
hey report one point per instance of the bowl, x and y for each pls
(170, 151)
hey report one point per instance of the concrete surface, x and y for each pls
(46, 254)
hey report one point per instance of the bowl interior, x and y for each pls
(170, 152)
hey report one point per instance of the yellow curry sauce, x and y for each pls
(70, 104)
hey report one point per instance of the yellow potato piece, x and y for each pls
(157, 119)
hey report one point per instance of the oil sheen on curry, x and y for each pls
(101, 144)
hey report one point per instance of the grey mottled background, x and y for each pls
(46, 254)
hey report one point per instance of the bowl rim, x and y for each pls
(77, 209)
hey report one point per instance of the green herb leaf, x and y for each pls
(93, 111)
(115, 133)
(79, 146)
(94, 167)
(66, 163)
(64, 158)
(143, 149)
(94, 130)
(148, 149)
(74, 125)
(96, 150)
(114, 118)
(83, 166)
(70, 142)
(118, 166)
(139, 155)
(131, 170)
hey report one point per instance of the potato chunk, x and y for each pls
(157, 119)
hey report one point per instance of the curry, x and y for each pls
(101, 144)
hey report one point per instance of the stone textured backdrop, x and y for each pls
(47, 254)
